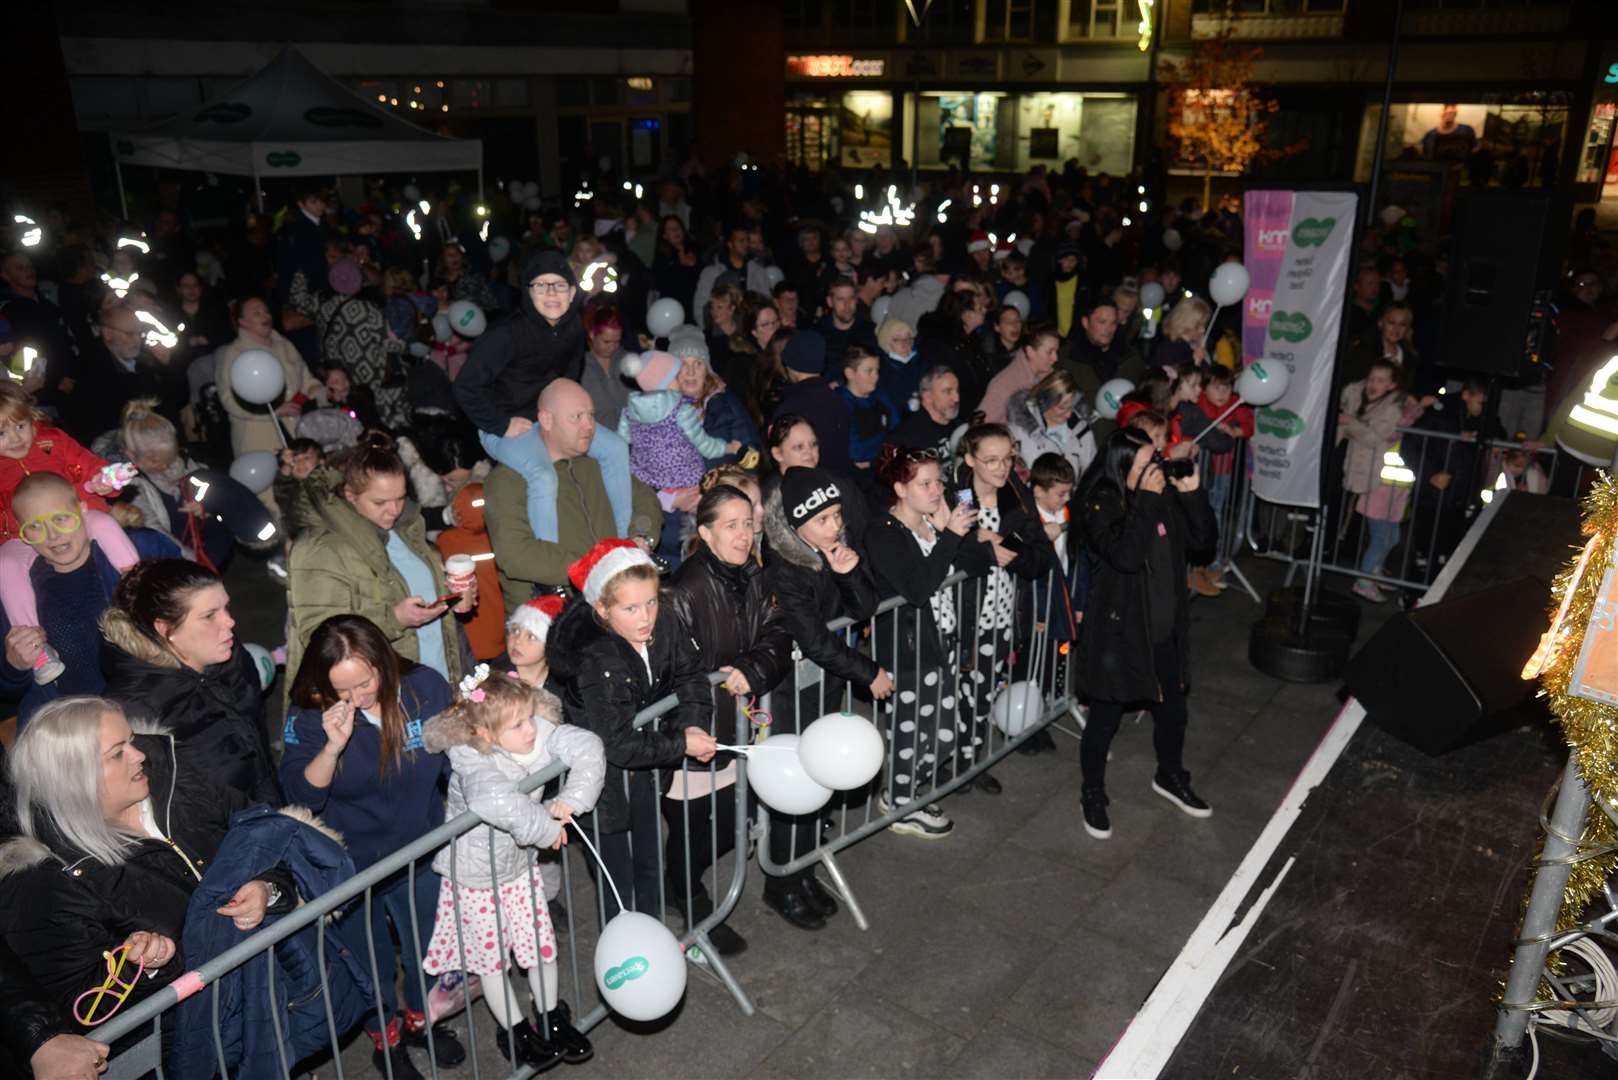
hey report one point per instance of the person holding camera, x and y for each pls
(1138, 514)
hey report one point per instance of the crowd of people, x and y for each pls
(508, 516)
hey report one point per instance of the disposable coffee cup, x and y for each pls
(460, 570)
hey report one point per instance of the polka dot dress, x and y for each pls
(942, 601)
(925, 722)
(527, 933)
(999, 592)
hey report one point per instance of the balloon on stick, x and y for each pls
(663, 316)
(1229, 284)
(1018, 299)
(841, 751)
(255, 470)
(1264, 382)
(1171, 239)
(1111, 397)
(256, 377)
(1152, 295)
(467, 319)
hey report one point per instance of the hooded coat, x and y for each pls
(810, 595)
(59, 907)
(215, 716)
(517, 357)
(605, 683)
(484, 779)
(340, 566)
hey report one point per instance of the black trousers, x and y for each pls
(794, 835)
(709, 819)
(633, 857)
(1168, 725)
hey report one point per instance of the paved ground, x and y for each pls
(1018, 947)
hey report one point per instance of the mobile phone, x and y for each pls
(1012, 543)
(966, 498)
(447, 598)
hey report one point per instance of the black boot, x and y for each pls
(820, 898)
(570, 1041)
(793, 906)
(446, 1048)
(532, 1047)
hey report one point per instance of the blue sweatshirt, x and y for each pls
(376, 813)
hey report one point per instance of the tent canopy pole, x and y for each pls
(118, 170)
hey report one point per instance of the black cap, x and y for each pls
(805, 492)
(805, 353)
(548, 262)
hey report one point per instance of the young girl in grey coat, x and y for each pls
(492, 903)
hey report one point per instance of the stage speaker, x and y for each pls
(1507, 249)
(1443, 676)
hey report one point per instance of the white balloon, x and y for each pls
(1017, 708)
(255, 470)
(1263, 383)
(256, 377)
(467, 319)
(1229, 284)
(1152, 295)
(640, 969)
(1019, 300)
(412, 192)
(532, 204)
(774, 275)
(1171, 239)
(777, 775)
(879, 309)
(1111, 396)
(841, 751)
(263, 663)
(499, 248)
(442, 330)
(664, 316)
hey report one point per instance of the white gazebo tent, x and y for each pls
(292, 119)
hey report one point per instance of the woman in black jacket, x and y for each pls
(815, 577)
(171, 657)
(80, 881)
(614, 655)
(718, 597)
(997, 609)
(1135, 645)
(913, 549)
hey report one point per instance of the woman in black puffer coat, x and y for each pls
(720, 599)
(815, 577)
(1134, 645)
(171, 657)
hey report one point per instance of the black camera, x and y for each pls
(1175, 469)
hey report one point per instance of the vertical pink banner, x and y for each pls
(1268, 220)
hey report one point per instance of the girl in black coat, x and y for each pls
(997, 614)
(1135, 644)
(719, 598)
(170, 656)
(815, 577)
(914, 548)
(614, 655)
(71, 888)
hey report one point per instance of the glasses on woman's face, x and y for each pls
(37, 530)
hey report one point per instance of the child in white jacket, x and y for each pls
(492, 902)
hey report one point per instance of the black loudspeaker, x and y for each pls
(1507, 249)
(1443, 676)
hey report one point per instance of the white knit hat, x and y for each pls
(602, 563)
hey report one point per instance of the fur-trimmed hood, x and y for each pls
(120, 631)
(784, 540)
(453, 727)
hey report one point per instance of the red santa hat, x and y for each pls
(536, 616)
(1002, 249)
(979, 241)
(602, 563)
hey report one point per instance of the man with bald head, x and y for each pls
(567, 428)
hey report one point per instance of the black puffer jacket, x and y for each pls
(216, 715)
(810, 596)
(513, 361)
(59, 908)
(729, 612)
(1115, 642)
(28, 1020)
(604, 684)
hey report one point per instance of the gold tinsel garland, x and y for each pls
(1591, 728)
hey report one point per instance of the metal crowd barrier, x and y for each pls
(1023, 648)
(1427, 521)
(1227, 479)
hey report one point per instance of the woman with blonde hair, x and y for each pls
(1052, 418)
(1179, 342)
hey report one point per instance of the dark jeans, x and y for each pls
(632, 856)
(390, 902)
(1168, 725)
